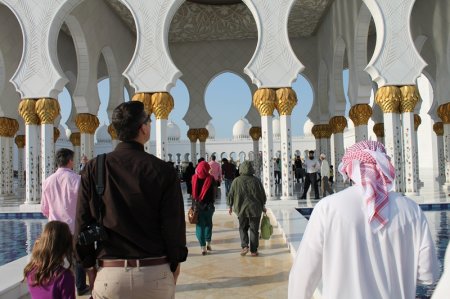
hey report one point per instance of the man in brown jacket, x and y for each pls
(143, 216)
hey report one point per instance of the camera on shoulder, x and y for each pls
(93, 233)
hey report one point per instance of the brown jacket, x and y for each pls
(144, 209)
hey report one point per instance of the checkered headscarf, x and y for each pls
(367, 165)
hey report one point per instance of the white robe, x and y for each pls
(339, 247)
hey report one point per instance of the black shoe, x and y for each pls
(83, 291)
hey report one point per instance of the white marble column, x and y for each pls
(161, 139)
(388, 98)
(417, 122)
(20, 142)
(438, 128)
(162, 104)
(337, 126)
(87, 124)
(9, 171)
(202, 136)
(192, 134)
(446, 139)
(360, 114)
(255, 133)
(287, 178)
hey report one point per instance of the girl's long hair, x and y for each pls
(49, 251)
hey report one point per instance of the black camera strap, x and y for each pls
(100, 186)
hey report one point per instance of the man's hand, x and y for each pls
(230, 210)
(176, 273)
(92, 274)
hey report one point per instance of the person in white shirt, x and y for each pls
(365, 241)
(312, 166)
(325, 171)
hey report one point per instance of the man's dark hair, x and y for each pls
(311, 152)
(127, 118)
(200, 160)
(213, 157)
(63, 157)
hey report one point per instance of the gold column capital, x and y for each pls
(192, 134)
(338, 124)
(443, 112)
(410, 97)
(75, 138)
(360, 114)
(417, 121)
(8, 127)
(162, 104)
(27, 109)
(389, 98)
(264, 100)
(378, 129)
(112, 132)
(255, 133)
(202, 134)
(47, 110)
(20, 141)
(56, 134)
(321, 131)
(438, 128)
(87, 123)
(286, 99)
(146, 99)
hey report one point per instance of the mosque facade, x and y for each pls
(145, 46)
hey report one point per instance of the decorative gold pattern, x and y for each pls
(8, 127)
(360, 114)
(378, 129)
(162, 104)
(47, 110)
(417, 121)
(87, 123)
(443, 112)
(56, 134)
(410, 97)
(438, 128)
(286, 100)
(389, 98)
(112, 132)
(146, 99)
(75, 138)
(27, 109)
(264, 100)
(192, 134)
(202, 134)
(255, 133)
(321, 131)
(20, 141)
(338, 124)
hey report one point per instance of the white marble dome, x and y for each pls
(276, 127)
(211, 131)
(102, 134)
(240, 129)
(307, 127)
(173, 131)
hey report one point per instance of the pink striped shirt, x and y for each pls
(216, 170)
(59, 196)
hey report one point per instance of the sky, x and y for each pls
(227, 100)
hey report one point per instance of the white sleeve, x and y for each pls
(428, 264)
(306, 270)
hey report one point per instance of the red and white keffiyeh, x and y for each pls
(367, 165)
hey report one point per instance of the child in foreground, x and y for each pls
(45, 274)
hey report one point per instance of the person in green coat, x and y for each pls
(247, 199)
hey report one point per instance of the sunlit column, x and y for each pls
(360, 114)
(162, 104)
(388, 98)
(438, 128)
(20, 142)
(8, 128)
(192, 134)
(317, 133)
(325, 144)
(87, 124)
(75, 139)
(202, 136)
(264, 100)
(255, 133)
(146, 99)
(444, 113)
(378, 129)
(112, 132)
(417, 122)
(338, 125)
(27, 110)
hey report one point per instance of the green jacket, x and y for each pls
(247, 196)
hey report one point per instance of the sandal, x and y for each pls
(255, 253)
(244, 251)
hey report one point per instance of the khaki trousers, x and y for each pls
(156, 282)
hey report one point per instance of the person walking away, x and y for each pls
(247, 199)
(325, 170)
(331, 178)
(365, 241)
(277, 170)
(228, 173)
(312, 167)
(45, 274)
(203, 192)
(59, 202)
(298, 169)
(188, 173)
(143, 216)
(216, 172)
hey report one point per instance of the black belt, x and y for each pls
(132, 263)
